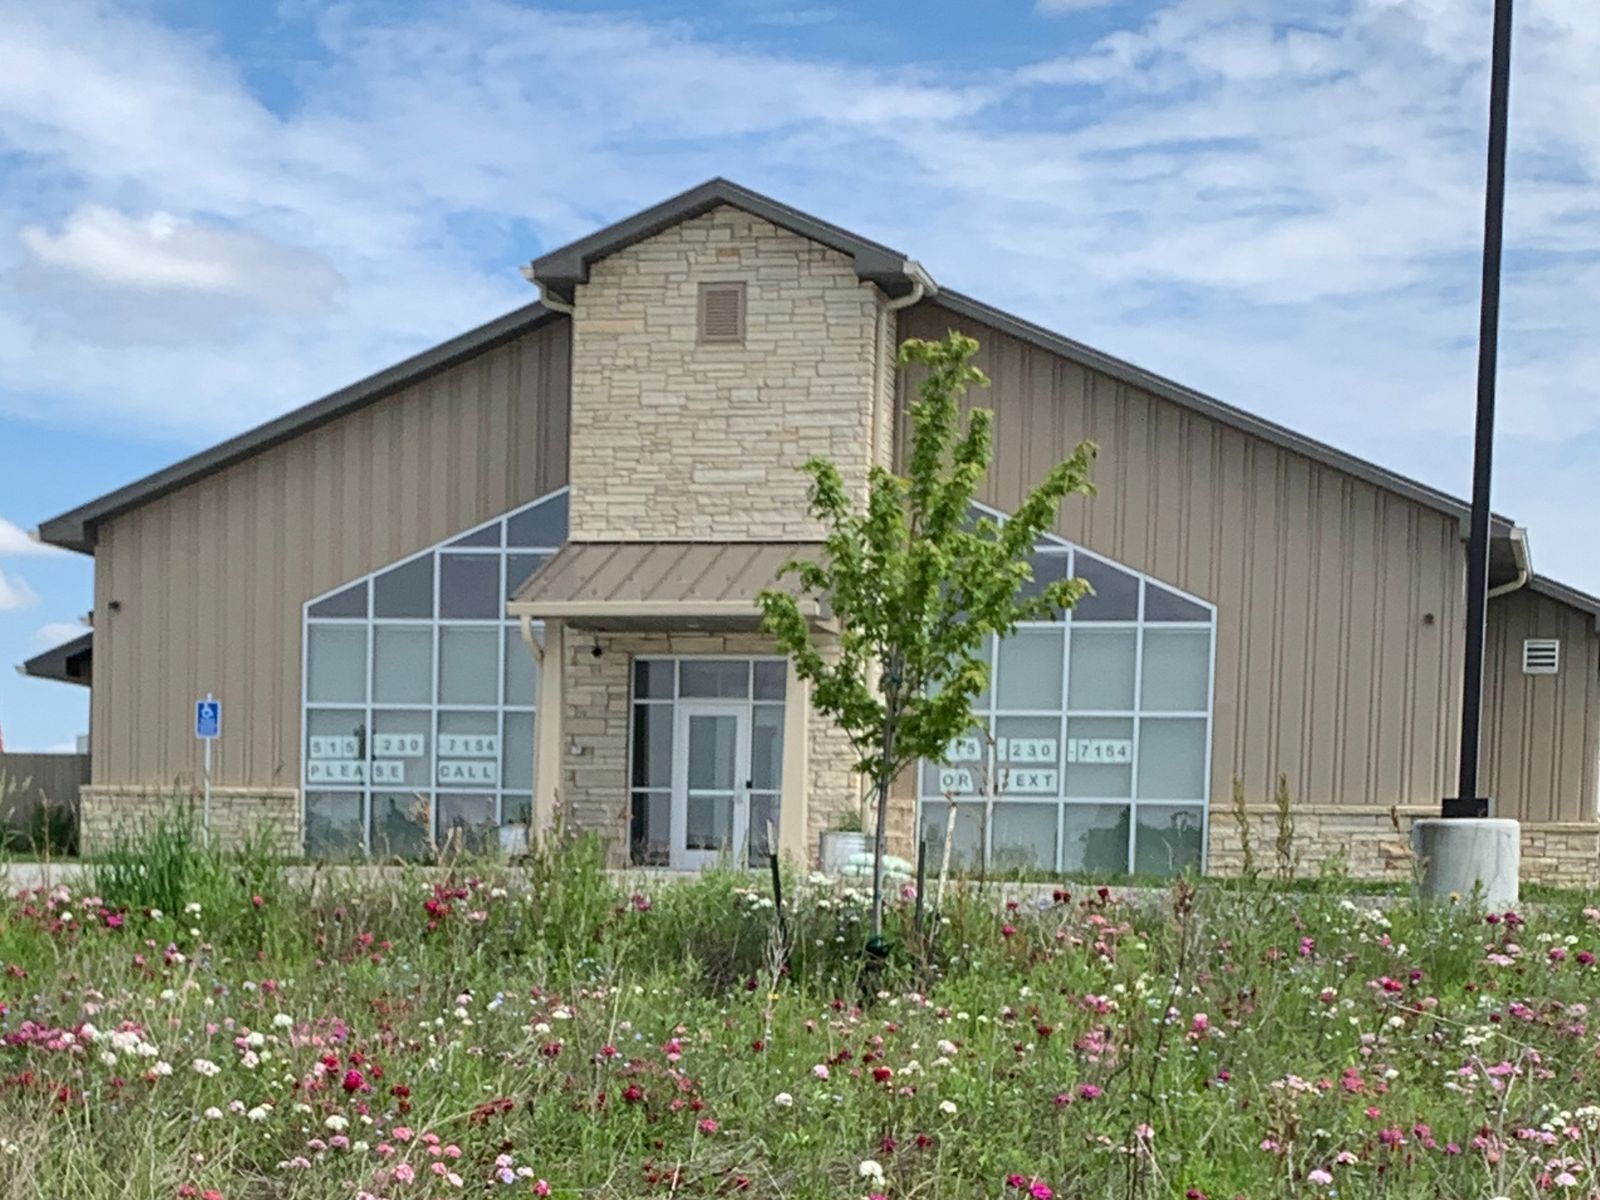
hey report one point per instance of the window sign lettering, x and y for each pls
(1030, 782)
(388, 770)
(1030, 750)
(956, 780)
(469, 745)
(336, 770)
(335, 747)
(399, 745)
(966, 749)
(1100, 750)
(470, 771)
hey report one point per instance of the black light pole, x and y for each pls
(1468, 802)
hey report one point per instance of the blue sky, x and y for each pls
(213, 212)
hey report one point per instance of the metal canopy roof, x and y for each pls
(652, 584)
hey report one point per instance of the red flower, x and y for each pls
(354, 1080)
(633, 1093)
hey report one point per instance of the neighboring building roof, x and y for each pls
(75, 530)
(69, 662)
(1582, 601)
(631, 584)
(560, 271)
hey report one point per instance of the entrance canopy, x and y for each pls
(661, 585)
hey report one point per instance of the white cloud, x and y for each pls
(15, 543)
(15, 593)
(55, 633)
(161, 252)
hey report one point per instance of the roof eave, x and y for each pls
(1209, 406)
(561, 271)
(76, 530)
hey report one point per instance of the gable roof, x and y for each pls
(75, 530)
(560, 271)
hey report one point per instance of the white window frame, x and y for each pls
(672, 703)
(1049, 544)
(507, 633)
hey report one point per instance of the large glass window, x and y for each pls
(1094, 738)
(419, 695)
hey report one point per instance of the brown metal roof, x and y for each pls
(633, 583)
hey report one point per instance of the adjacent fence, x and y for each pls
(39, 792)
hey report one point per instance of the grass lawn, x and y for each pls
(186, 1025)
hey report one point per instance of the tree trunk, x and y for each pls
(880, 843)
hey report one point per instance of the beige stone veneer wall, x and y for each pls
(675, 440)
(1371, 847)
(238, 815)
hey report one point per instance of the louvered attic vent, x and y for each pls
(1541, 656)
(721, 314)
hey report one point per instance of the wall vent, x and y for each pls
(1541, 656)
(721, 314)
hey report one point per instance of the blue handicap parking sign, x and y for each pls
(207, 718)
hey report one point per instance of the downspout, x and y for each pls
(546, 297)
(535, 648)
(1519, 549)
(921, 285)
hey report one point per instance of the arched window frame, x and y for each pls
(1141, 811)
(518, 541)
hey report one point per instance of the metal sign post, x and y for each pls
(1469, 800)
(207, 727)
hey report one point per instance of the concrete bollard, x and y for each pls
(1458, 854)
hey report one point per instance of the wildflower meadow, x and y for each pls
(214, 1028)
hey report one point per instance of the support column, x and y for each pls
(547, 758)
(793, 808)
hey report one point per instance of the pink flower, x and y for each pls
(405, 1172)
(1088, 1091)
(1319, 1177)
(354, 1080)
(708, 1126)
(541, 1188)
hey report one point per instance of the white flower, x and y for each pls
(871, 1169)
(256, 1040)
(88, 1032)
(108, 1058)
(161, 1068)
(283, 1021)
(783, 1100)
(192, 908)
(337, 1123)
(947, 1107)
(155, 914)
(259, 1113)
(213, 1113)
(204, 1066)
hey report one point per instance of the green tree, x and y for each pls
(917, 583)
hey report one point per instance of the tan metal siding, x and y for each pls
(1327, 670)
(1541, 732)
(211, 579)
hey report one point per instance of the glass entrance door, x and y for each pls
(710, 784)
